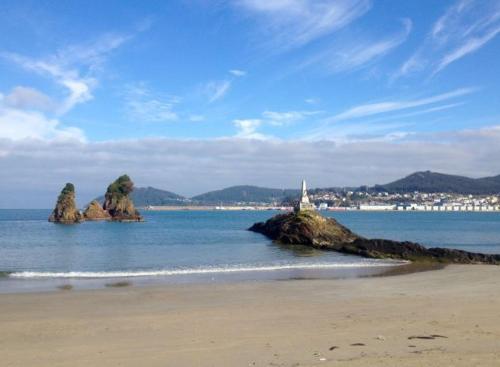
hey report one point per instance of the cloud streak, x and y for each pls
(143, 105)
(294, 23)
(216, 90)
(371, 109)
(355, 55)
(463, 29)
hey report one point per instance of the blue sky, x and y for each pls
(359, 79)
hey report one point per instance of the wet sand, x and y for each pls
(448, 317)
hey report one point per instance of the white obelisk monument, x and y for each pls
(304, 203)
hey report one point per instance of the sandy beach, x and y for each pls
(448, 317)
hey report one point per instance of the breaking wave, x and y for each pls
(200, 271)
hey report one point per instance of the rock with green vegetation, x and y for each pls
(117, 201)
(65, 210)
(312, 229)
(95, 212)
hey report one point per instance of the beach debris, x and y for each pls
(65, 287)
(427, 337)
(428, 350)
(380, 337)
(322, 359)
(358, 345)
(333, 347)
(119, 284)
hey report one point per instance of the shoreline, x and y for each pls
(52, 283)
(446, 317)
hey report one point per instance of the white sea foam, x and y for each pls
(196, 271)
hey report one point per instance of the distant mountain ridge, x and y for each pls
(245, 194)
(144, 196)
(432, 182)
(426, 181)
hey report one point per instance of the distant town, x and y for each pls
(416, 201)
(420, 191)
(366, 201)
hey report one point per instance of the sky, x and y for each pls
(196, 95)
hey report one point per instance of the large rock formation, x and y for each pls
(312, 229)
(65, 210)
(95, 212)
(118, 203)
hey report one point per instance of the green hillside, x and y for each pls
(439, 182)
(144, 196)
(244, 194)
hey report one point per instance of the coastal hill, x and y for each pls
(144, 196)
(431, 182)
(245, 194)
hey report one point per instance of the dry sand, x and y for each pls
(369, 321)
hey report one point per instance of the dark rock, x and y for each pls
(305, 228)
(312, 229)
(118, 203)
(95, 212)
(65, 210)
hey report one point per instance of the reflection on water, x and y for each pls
(299, 250)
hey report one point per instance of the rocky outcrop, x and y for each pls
(118, 203)
(95, 212)
(312, 229)
(65, 210)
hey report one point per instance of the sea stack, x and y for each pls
(305, 226)
(117, 202)
(65, 210)
(95, 212)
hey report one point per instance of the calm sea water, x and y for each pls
(173, 245)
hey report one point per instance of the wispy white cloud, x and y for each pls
(286, 117)
(294, 23)
(29, 98)
(73, 67)
(247, 129)
(354, 55)
(144, 105)
(196, 118)
(463, 29)
(360, 131)
(19, 124)
(377, 128)
(77, 86)
(371, 109)
(27, 113)
(215, 90)
(470, 46)
(237, 72)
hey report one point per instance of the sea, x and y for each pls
(209, 246)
